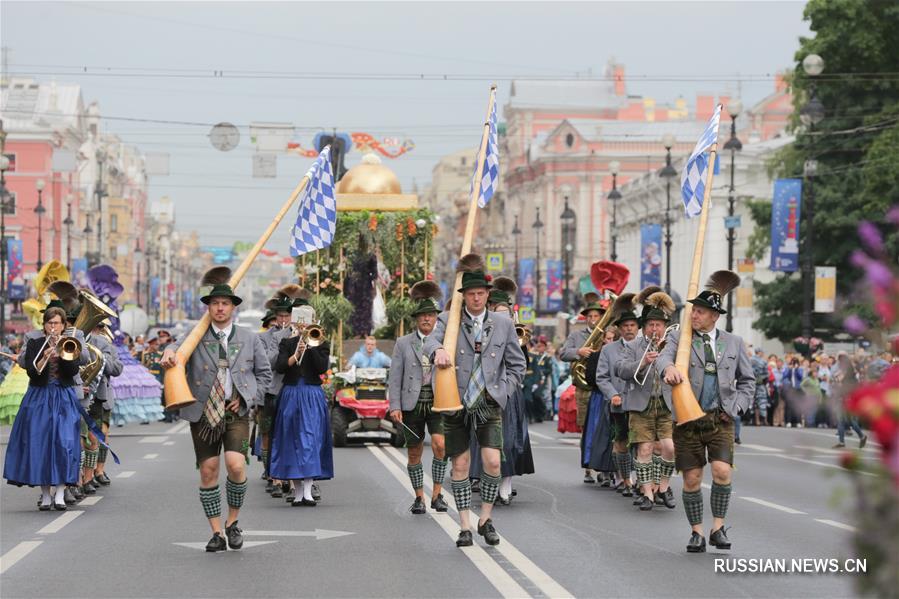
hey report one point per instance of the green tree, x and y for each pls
(856, 146)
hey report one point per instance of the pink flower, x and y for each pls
(871, 237)
(893, 215)
(854, 325)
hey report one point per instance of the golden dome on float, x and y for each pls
(370, 177)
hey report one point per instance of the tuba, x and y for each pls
(608, 277)
(93, 313)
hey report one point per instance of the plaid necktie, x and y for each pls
(709, 352)
(214, 411)
(476, 384)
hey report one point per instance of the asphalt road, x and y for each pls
(144, 534)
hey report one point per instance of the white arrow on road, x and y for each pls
(318, 533)
(246, 544)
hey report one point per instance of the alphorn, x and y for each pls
(686, 407)
(446, 391)
(177, 391)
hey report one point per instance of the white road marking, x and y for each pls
(169, 443)
(177, 428)
(821, 449)
(11, 557)
(833, 435)
(492, 571)
(246, 545)
(540, 435)
(92, 500)
(318, 533)
(836, 524)
(824, 464)
(542, 447)
(775, 506)
(759, 447)
(59, 523)
(156, 439)
(151, 456)
(547, 585)
(575, 442)
(125, 474)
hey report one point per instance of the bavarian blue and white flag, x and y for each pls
(317, 218)
(697, 166)
(490, 174)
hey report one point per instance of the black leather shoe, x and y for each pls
(619, 488)
(500, 500)
(88, 489)
(638, 497)
(264, 475)
(216, 543)
(489, 533)
(304, 502)
(668, 499)
(276, 492)
(285, 487)
(645, 503)
(438, 504)
(68, 497)
(719, 539)
(316, 493)
(418, 507)
(657, 499)
(464, 539)
(588, 479)
(605, 482)
(61, 507)
(476, 485)
(627, 492)
(235, 536)
(269, 487)
(290, 497)
(44, 508)
(696, 543)
(103, 479)
(76, 491)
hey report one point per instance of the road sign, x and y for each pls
(732, 222)
(526, 315)
(495, 262)
(825, 288)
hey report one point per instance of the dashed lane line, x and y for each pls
(156, 439)
(759, 447)
(61, 521)
(836, 524)
(151, 456)
(169, 443)
(544, 582)
(540, 435)
(12, 557)
(499, 578)
(92, 500)
(814, 463)
(772, 505)
(125, 474)
(178, 428)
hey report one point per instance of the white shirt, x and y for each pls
(713, 336)
(479, 319)
(229, 388)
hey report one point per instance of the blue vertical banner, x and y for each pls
(527, 288)
(785, 214)
(650, 255)
(79, 272)
(15, 271)
(154, 292)
(554, 294)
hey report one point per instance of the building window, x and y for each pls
(463, 160)
(9, 207)
(114, 223)
(113, 252)
(569, 140)
(12, 163)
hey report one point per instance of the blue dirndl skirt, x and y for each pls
(301, 436)
(45, 443)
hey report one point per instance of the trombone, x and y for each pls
(68, 348)
(656, 344)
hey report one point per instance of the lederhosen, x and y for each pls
(422, 415)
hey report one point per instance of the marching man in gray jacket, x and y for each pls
(228, 374)
(722, 380)
(412, 397)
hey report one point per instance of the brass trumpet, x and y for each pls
(524, 335)
(68, 348)
(655, 345)
(312, 335)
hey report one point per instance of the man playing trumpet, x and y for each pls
(648, 401)
(722, 380)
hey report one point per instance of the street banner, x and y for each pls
(79, 272)
(650, 255)
(585, 285)
(825, 288)
(554, 293)
(495, 262)
(154, 292)
(746, 269)
(785, 213)
(15, 281)
(526, 288)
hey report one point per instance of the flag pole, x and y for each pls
(682, 393)
(446, 391)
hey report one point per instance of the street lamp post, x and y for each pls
(537, 226)
(138, 258)
(98, 188)
(68, 222)
(810, 114)
(40, 210)
(4, 165)
(516, 233)
(613, 197)
(734, 145)
(668, 173)
(567, 219)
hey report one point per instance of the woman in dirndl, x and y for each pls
(44, 445)
(301, 443)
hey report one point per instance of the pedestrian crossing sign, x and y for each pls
(526, 315)
(495, 262)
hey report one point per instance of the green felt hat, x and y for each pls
(476, 279)
(425, 295)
